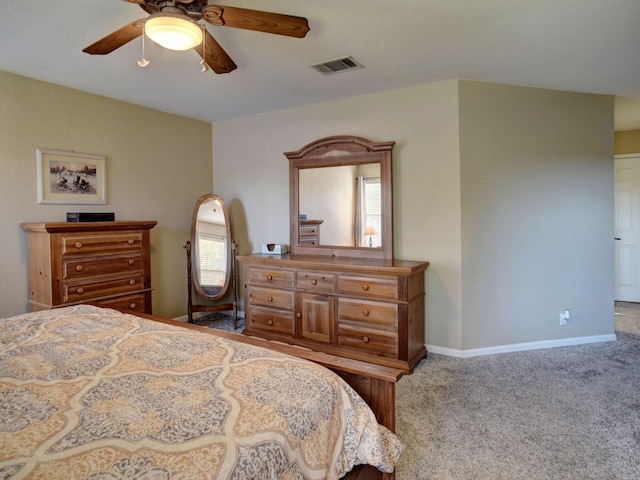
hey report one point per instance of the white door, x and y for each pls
(627, 227)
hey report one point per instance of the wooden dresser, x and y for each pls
(101, 263)
(365, 309)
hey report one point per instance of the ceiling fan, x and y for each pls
(179, 18)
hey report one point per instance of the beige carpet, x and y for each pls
(560, 413)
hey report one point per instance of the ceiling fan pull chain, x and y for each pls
(203, 64)
(143, 62)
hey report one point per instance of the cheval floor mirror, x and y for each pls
(211, 258)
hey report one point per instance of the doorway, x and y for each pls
(627, 227)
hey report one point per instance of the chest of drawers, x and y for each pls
(309, 232)
(370, 310)
(101, 263)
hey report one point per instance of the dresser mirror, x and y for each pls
(211, 258)
(341, 198)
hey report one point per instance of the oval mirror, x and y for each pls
(211, 255)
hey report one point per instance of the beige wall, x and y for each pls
(627, 141)
(157, 166)
(537, 214)
(506, 191)
(251, 174)
(437, 130)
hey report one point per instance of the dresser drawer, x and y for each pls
(128, 302)
(386, 288)
(272, 320)
(272, 277)
(74, 244)
(316, 282)
(377, 314)
(73, 267)
(368, 339)
(309, 234)
(309, 230)
(77, 291)
(270, 297)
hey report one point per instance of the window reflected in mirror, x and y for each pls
(211, 248)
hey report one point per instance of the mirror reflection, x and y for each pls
(211, 244)
(341, 198)
(211, 257)
(341, 206)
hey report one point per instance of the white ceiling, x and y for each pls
(579, 45)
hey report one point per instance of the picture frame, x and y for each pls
(71, 177)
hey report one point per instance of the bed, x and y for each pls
(88, 392)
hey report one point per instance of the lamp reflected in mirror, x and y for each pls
(370, 231)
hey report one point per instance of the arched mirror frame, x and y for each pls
(193, 279)
(336, 151)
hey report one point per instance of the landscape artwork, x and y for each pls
(70, 177)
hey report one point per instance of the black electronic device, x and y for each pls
(90, 216)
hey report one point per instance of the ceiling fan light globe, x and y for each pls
(174, 32)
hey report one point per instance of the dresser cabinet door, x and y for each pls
(315, 315)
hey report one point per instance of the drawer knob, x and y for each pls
(131, 241)
(132, 282)
(269, 277)
(314, 282)
(365, 287)
(365, 312)
(80, 291)
(365, 339)
(132, 306)
(270, 322)
(131, 261)
(79, 268)
(270, 299)
(78, 244)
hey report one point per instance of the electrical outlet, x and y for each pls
(565, 317)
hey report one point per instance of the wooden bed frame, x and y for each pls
(374, 383)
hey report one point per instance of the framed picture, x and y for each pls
(71, 177)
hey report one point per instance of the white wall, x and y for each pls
(157, 166)
(506, 191)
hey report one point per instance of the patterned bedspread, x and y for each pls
(92, 393)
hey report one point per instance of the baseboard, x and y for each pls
(520, 347)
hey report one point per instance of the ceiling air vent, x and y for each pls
(337, 66)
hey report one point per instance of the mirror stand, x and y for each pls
(194, 307)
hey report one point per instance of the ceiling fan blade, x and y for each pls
(116, 39)
(215, 56)
(256, 20)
